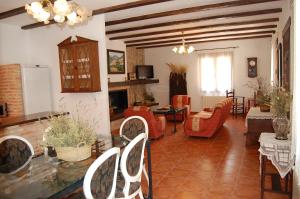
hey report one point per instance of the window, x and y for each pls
(216, 73)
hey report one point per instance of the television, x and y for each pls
(144, 71)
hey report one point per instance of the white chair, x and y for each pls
(101, 177)
(129, 184)
(15, 154)
(132, 127)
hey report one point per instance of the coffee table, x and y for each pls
(171, 111)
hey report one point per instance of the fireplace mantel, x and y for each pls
(132, 82)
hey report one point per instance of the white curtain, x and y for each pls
(216, 73)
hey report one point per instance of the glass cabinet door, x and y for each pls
(67, 69)
(83, 66)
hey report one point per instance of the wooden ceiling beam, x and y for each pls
(199, 38)
(197, 42)
(127, 6)
(12, 12)
(124, 6)
(196, 28)
(188, 10)
(202, 33)
(179, 22)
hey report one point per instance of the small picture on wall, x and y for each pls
(252, 67)
(115, 62)
(131, 76)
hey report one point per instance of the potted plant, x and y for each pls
(262, 90)
(263, 99)
(71, 138)
(280, 103)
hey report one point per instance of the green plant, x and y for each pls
(149, 97)
(280, 101)
(65, 131)
(263, 98)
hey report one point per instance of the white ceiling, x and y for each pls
(24, 19)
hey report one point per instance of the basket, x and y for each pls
(264, 108)
(74, 154)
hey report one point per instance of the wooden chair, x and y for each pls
(101, 178)
(238, 103)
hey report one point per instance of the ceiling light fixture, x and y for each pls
(183, 49)
(60, 11)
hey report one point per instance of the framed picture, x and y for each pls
(279, 64)
(286, 55)
(115, 62)
(252, 67)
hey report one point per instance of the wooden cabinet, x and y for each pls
(79, 65)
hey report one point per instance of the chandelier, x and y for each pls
(60, 11)
(183, 49)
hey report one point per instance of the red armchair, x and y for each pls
(156, 124)
(207, 122)
(179, 101)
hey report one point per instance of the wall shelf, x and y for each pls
(132, 82)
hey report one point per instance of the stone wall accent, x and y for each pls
(135, 57)
(33, 132)
(11, 89)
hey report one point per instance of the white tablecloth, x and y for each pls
(278, 151)
(255, 113)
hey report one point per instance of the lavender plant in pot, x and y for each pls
(280, 103)
(71, 138)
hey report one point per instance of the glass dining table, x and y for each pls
(52, 178)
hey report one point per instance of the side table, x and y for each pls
(256, 123)
(171, 111)
(280, 154)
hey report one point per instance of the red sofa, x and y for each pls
(207, 122)
(179, 101)
(156, 124)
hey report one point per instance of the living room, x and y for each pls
(145, 33)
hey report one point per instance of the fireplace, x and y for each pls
(118, 102)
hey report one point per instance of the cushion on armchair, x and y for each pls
(180, 101)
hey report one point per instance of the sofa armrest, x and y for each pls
(205, 114)
(208, 109)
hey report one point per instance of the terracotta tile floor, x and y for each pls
(195, 168)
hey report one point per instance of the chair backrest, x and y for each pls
(15, 154)
(179, 101)
(132, 161)
(132, 127)
(230, 93)
(101, 177)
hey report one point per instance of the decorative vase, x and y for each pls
(281, 126)
(264, 108)
(74, 154)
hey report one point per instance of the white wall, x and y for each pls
(14, 46)
(121, 46)
(260, 48)
(41, 48)
(296, 107)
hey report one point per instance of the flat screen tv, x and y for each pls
(144, 71)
